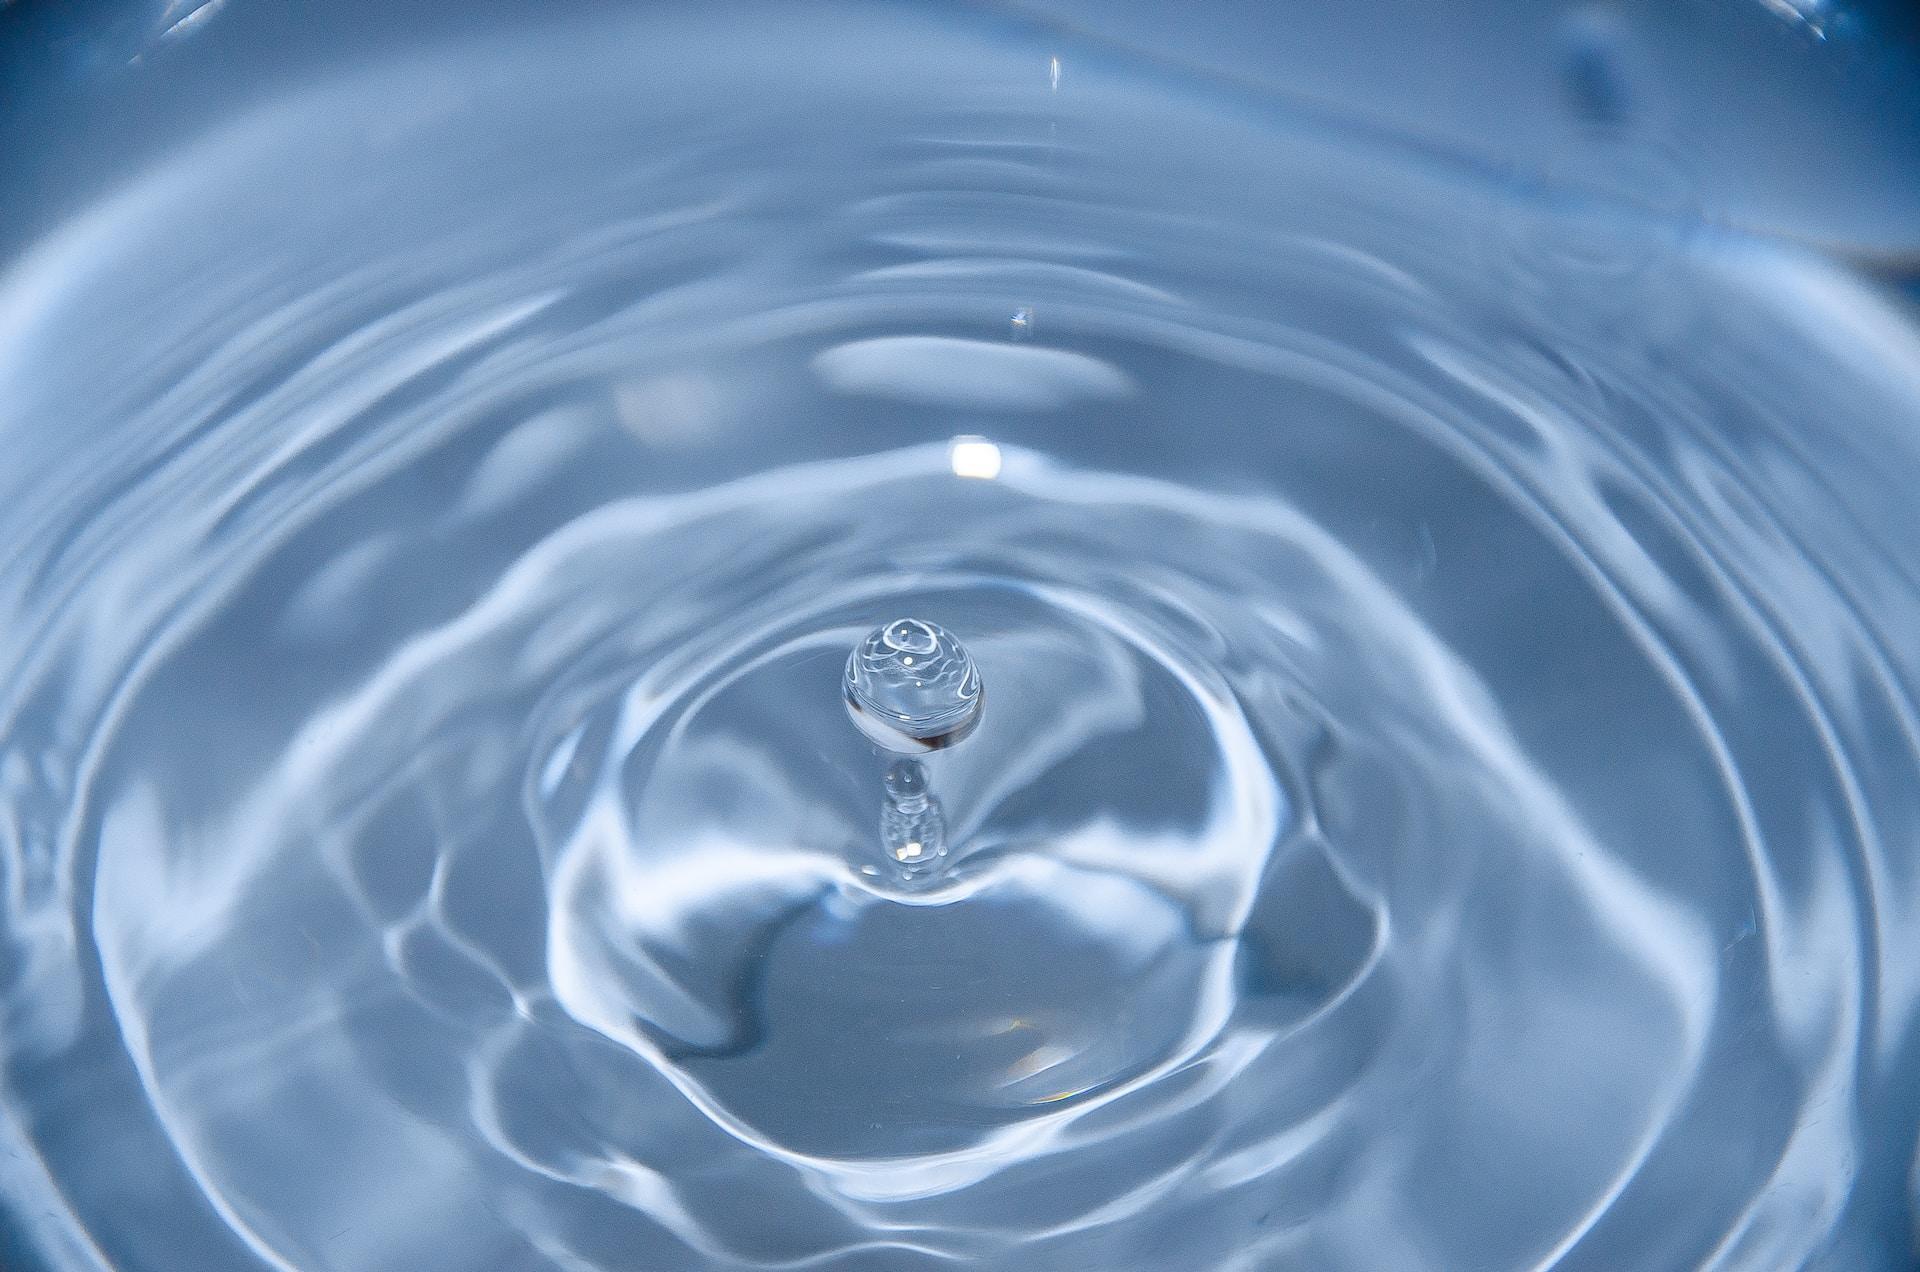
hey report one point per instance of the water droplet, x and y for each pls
(1022, 322)
(911, 687)
(1053, 73)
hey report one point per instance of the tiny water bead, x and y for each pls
(912, 687)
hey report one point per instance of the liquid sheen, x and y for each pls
(1450, 795)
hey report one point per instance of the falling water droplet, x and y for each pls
(1022, 322)
(911, 687)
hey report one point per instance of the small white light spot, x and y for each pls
(1053, 73)
(974, 457)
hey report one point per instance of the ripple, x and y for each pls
(972, 374)
(1447, 796)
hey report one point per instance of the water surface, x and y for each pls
(1448, 787)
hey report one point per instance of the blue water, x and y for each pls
(1446, 788)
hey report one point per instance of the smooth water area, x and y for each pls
(1443, 787)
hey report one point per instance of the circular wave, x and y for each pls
(1446, 793)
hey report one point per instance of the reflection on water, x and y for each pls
(1449, 792)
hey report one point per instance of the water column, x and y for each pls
(912, 688)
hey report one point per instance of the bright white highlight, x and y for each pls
(974, 457)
